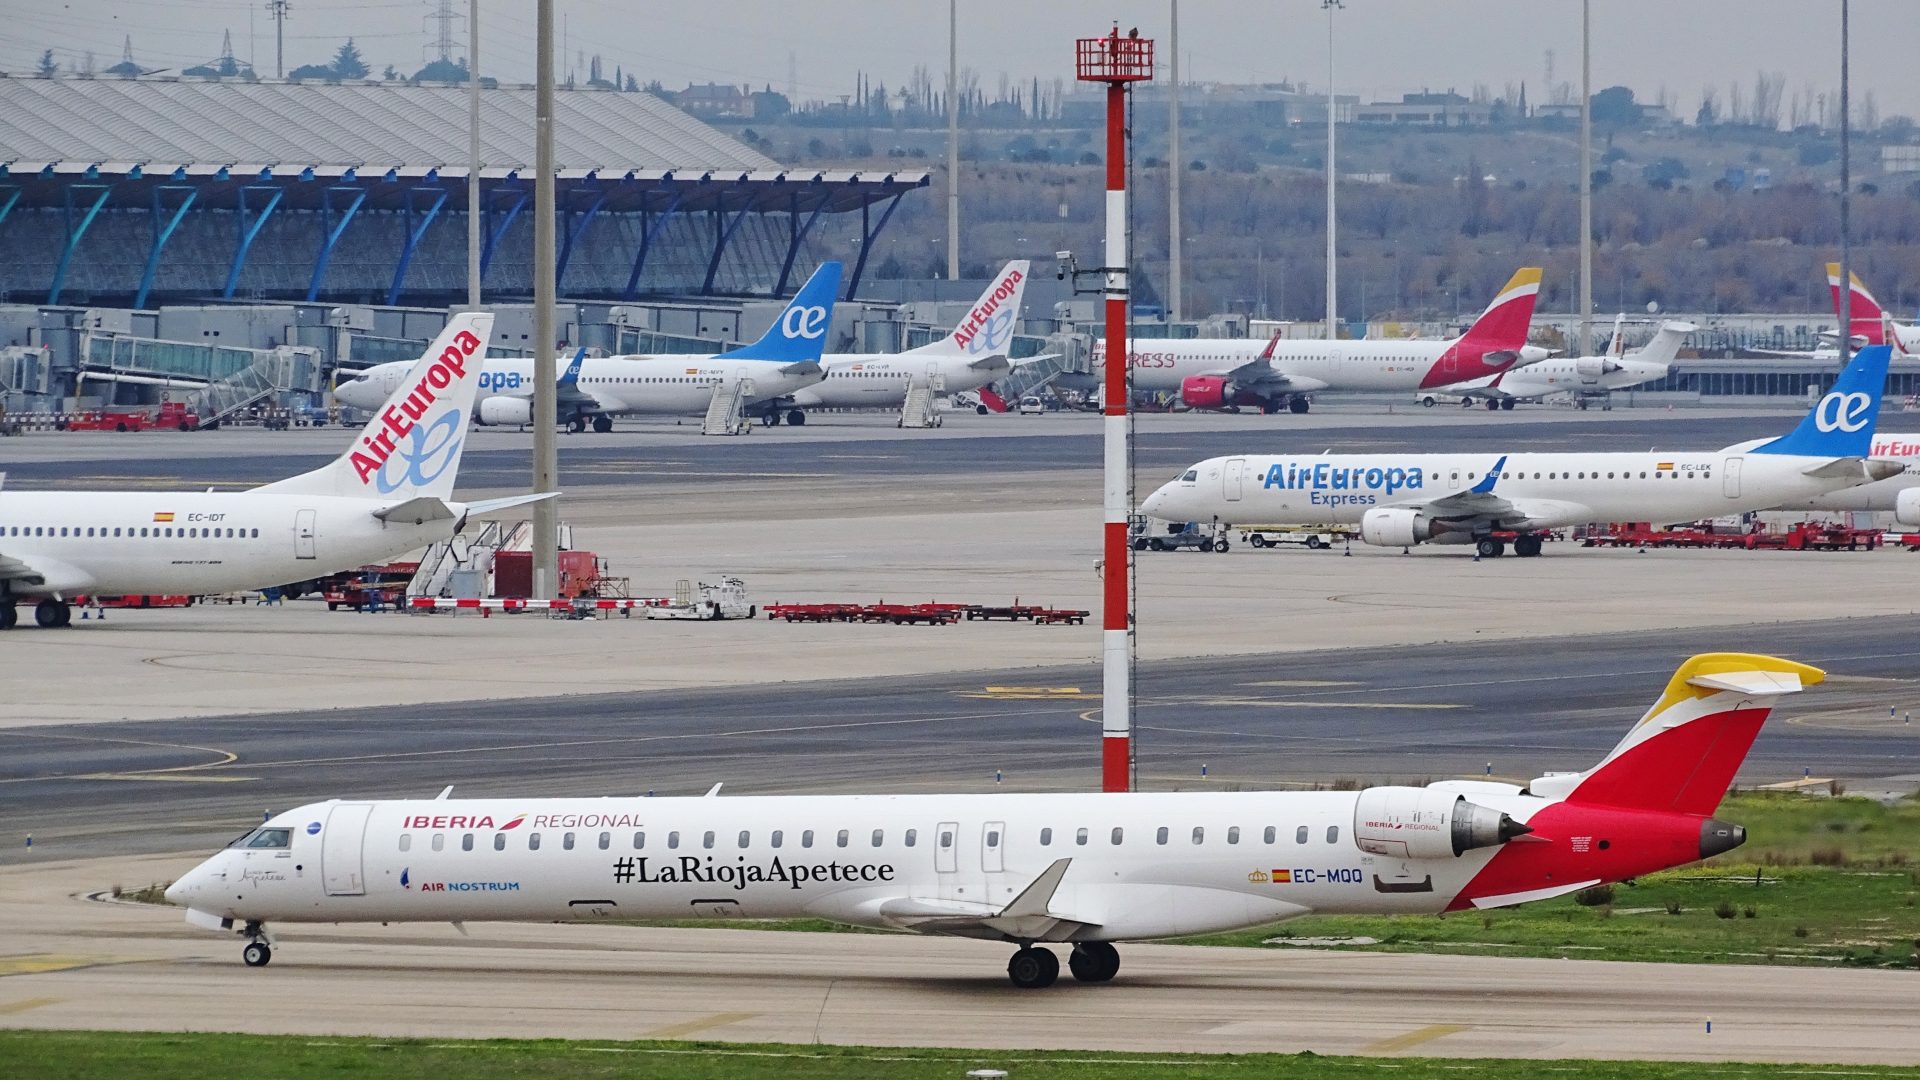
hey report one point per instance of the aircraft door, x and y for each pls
(993, 851)
(1730, 477)
(303, 533)
(946, 848)
(1236, 471)
(342, 845)
(936, 382)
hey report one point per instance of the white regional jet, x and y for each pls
(1209, 373)
(388, 494)
(769, 371)
(1584, 377)
(1399, 500)
(1085, 870)
(972, 356)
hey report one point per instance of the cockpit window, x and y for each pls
(271, 838)
(1192, 474)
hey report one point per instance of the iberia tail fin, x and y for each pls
(411, 448)
(1865, 319)
(1683, 754)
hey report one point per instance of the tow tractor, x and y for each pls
(725, 600)
(1316, 539)
(1175, 535)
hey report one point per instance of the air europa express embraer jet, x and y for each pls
(1084, 870)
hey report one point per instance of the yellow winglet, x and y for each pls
(1681, 686)
(1526, 275)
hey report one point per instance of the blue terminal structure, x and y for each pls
(133, 191)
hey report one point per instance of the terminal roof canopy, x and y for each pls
(371, 127)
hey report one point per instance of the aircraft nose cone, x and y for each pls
(177, 892)
(1156, 503)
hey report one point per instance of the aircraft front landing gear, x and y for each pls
(1094, 961)
(1033, 969)
(259, 950)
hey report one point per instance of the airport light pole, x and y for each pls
(1333, 279)
(1117, 61)
(953, 140)
(1176, 307)
(546, 520)
(1846, 198)
(473, 154)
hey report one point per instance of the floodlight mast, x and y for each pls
(1117, 60)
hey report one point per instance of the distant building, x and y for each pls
(1900, 159)
(1267, 104)
(1427, 110)
(715, 101)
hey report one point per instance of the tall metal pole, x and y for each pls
(1176, 308)
(546, 521)
(473, 154)
(953, 140)
(278, 9)
(1333, 251)
(1586, 180)
(1846, 199)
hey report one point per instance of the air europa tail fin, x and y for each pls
(1503, 326)
(800, 333)
(1684, 752)
(1841, 423)
(987, 328)
(411, 449)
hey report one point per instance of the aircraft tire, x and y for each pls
(1298, 405)
(52, 614)
(257, 954)
(1526, 547)
(796, 418)
(9, 615)
(1506, 405)
(603, 424)
(1094, 962)
(1490, 548)
(1033, 969)
(576, 425)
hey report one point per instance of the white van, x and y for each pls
(1033, 405)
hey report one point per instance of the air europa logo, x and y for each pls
(989, 325)
(429, 448)
(804, 322)
(1842, 412)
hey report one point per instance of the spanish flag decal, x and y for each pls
(163, 515)
(1664, 466)
(1282, 877)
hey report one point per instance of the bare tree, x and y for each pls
(1767, 87)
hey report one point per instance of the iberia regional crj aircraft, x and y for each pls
(1032, 870)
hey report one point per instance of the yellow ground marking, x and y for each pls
(40, 963)
(12, 1007)
(1225, 702)
(162, 775)
(172, 772)
(705, 1023)
(1301, 683)
(1414, 1038)
(1031, 693)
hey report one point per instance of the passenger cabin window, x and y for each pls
(440, 841)
(1333, 834)
(776, 838)
(1160, 835)
(1118, 835)
(706, 841)
(533, 841)
(745, 837)
(1080, 837)
(912, 835)
(840, 838)
(946, 838)
(1233, 835)
(406, 841)
(1199, 834)
(566, 842)
(673, 839)
(639, 841)
(878, 837)
(806, 838)
(1046, 837)
(1271, 834)
(606, 840)
(499, 841)
(273, 838)
(1300, 835)
(466, 841)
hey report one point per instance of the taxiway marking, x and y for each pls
(1414, 1038)
(705, 1023)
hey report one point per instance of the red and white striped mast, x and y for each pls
(1116, 61)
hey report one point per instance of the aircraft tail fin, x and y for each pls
(1841, 423)
(571, 377)
(987, 328)
(1683, 754)
(800, 333)
(1866, 321)
(1503, 326)
(1666, 342)
(411, 448)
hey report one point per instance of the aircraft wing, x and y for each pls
(1482, 505)
(1487, 386)
(1029, 916)
(13, 568)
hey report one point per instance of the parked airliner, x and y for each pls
(390, 493)
(1871, 324)
(1085, 870)
(1585, 378)
(970, 357)
(1399, 500)
(1898, 494)
(768, 372)
(1209, 373)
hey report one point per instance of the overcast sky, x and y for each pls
(1384, 46)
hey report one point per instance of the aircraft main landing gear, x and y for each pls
(796, 418)
(1298, 404)
(1490, 548)
(9, 615)
(1526, 546)
(51, 614)
(1094, 961)
(603, 424)
(1033, 969)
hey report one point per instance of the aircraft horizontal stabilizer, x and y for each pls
(995, 362)
(801, 367)
(417, 511)
(488, 506)
(1027, 917)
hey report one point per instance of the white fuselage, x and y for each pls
(1557, 489)
(1567, 376)
(623, 385)
(1143, 865)
(117, 543)
(1163, 366)
(881, 380)
(1881, 496)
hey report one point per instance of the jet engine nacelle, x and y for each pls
(1395, 527)
(1206, 391)
(1906, 506)
(505, 411)
(1420, 823)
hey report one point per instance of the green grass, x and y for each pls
(75, 1055)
